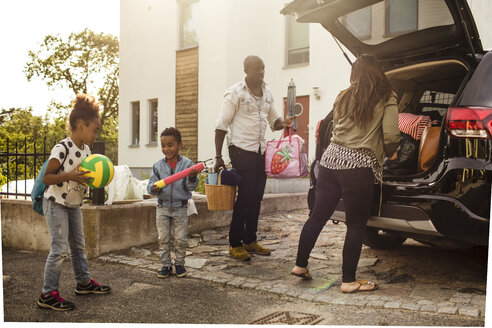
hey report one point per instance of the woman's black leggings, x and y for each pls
(355, 187)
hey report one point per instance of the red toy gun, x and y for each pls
(177, 176)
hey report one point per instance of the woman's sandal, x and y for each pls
(371, 287)
(305, 275)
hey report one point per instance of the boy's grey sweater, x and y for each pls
(177, 193)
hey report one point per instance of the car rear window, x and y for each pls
(387, 19)
(435, 103)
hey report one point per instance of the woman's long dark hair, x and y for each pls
(368, 86)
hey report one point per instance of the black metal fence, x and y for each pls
(20, 162)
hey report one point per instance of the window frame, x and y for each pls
(287, 49)
(151, 118)
(181, 4)
(134, 126)
(387, 33)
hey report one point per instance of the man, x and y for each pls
(245, 112)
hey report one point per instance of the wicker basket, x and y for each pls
(220, 197)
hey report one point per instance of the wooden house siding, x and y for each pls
(187, 100)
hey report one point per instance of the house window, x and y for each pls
(297, 41)
(188, 23)
(153, 121)
(359, 22)
(401, 16)
(135, 123)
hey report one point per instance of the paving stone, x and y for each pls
(469, 312)
(448, 310)
(249, 285)
(392, 305)
(355, 301)
(195, 263)
(307, 297)
(372, 297)
(141, 251)
(222, 279)
(386, 298)
(264, 287)
(460, 300)
(375, 303)
(410, 306)
(462, 295)
(235, 282)
(193, 242)
(428, 308)
(339, 300)
(367, 262)
(279, 290)
(445, 304)
(425, 302)
(478, 300)
(216, 242)
(318, 256)
(293, 293)
(323, 298)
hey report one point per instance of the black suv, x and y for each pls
(432, 54)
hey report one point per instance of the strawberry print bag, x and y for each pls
(286, 158)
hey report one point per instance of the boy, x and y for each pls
(172, 202)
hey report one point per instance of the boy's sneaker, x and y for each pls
(239, 253)
(256, 248)
(180, 271)
(54, 302)
(164, 273)
(92, 288)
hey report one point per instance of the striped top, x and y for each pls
(413, 125)
(338, 157)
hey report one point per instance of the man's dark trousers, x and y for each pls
(251, 167)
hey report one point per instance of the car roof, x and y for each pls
(434, 27)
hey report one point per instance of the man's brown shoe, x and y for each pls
(256, 248)
(239, 253)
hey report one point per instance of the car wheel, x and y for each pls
(380, 239)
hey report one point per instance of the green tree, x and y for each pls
(85, 62)
(22, 130)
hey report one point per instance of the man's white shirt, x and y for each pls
(245, 117)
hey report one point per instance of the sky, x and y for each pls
(23, 26)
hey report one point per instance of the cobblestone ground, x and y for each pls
(415, 277)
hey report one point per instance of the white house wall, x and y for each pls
(147, 71)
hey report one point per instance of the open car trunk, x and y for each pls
(425, 90)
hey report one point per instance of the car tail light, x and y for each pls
(470, 122)
(317, 132)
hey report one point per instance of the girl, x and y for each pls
(61, 205)
(365, 129)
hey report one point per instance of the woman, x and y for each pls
(365, 130)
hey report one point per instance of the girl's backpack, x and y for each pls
(39, 187)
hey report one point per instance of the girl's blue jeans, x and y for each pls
(67, 232)
(172, 222)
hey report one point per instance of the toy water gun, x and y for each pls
(178, 176)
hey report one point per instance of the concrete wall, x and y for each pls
(116, 227)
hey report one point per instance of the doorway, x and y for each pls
(302, 120)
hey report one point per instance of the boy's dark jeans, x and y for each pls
(251, 167)
(356, 187)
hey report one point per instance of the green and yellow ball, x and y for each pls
(100, 169)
